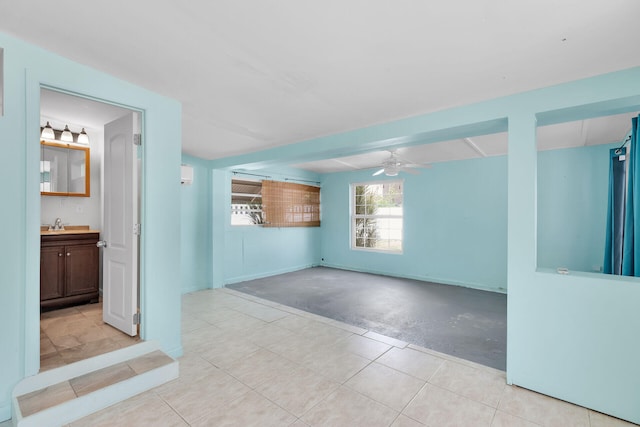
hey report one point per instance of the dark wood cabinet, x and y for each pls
(69, 269)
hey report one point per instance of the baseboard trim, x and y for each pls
(232, 280)
(477, 286)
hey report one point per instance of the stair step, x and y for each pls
(68, 393)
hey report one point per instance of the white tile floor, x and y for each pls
(251, 362)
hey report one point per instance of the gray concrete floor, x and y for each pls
(462, 322)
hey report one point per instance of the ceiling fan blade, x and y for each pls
(410, 164)
(411, 171)
(378, 172)
(418, 165)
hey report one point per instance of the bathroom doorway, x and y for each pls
(74, 328)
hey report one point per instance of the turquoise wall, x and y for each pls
(26, 68)
(214, 253)
(196, 227)
(572, 207)
(254, 252)
(455, 225)
(569, 336)
(241, 253)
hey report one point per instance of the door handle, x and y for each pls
(101, 244)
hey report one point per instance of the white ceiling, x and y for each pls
(601, 130)
(62, 109)
(257, 74)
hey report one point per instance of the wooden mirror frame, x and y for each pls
(87, 160)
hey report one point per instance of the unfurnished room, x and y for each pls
(320, 213)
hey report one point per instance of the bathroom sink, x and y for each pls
(68, 229)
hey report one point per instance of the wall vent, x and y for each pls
(186, 174)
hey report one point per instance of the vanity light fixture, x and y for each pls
(83, 138)
(47, 132)
(66, 135)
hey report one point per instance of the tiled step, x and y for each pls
(68, 393)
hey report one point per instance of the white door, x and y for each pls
(120, 255)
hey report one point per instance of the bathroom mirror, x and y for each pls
(64, 170)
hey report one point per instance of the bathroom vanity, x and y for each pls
(69, 266)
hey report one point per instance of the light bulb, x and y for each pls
(66, 136)
(83, 138)
(47, 132)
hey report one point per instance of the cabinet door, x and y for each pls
(81, 269)
(52, 260)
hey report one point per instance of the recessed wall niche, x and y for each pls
(573, 188)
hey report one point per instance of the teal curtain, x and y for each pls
(631, 241)
(615, 213)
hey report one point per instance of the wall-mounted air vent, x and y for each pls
(186, 174)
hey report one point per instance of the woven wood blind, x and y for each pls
(290, 205)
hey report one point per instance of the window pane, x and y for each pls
(377, 211)
(246, 202)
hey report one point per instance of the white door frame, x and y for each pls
(32, 334)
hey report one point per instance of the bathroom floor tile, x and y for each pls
(77, 333)
(87, 350)
(46, 346)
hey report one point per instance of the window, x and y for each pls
(376, 220)
(290, 205)
(246, 202)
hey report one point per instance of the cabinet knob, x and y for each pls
(59, 254)
(68, 253)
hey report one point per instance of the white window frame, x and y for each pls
(354, 217)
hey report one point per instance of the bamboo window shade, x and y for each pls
(286, 204)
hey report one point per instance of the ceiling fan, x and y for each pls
(395, 164)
